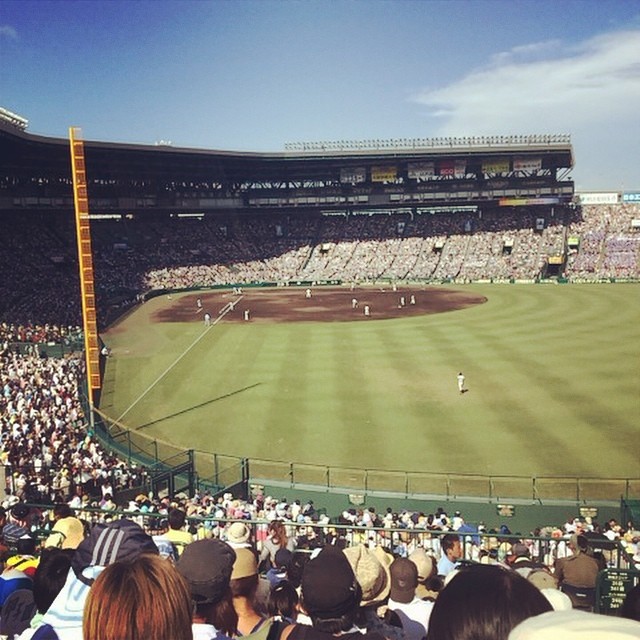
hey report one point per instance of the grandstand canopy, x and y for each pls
(373, 175)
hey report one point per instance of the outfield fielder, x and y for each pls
(461, 382)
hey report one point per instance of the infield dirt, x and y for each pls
(326, 304)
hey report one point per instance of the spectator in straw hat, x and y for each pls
(244, 585)
(544, 580)
(371, 568)
(428, 582)
(413, 612)
(239, 535)
(67, 533)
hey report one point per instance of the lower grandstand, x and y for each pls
(137, 254)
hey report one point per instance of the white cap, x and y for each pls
(575, 625)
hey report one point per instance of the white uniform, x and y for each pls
(460, 382)
(354, 303)
(207, 320)
(307, 293)
(366, 310)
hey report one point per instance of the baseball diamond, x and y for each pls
(314, 381)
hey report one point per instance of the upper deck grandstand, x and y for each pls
(498, 207)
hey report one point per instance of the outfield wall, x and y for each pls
(219, 470)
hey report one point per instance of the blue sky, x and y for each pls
(251, 75)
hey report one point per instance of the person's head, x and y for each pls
(572, 623)
(371, 568)
(62, 510)
(67, 533)
(20, 513)
(283, 559)
(238, 534)
(330, 592)
(176, 518)
(579, 543)
(424, 563)
(206, 565)
(451, 546)
(50, 576)
(484, 602)
(140, 599)
(278, 532)
(244, 575)
(404, 580)
(283, 601)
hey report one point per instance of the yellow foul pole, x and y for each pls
(85, 262)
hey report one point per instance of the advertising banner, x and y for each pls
(353, 175)
(446, 168)
(495, 166)
(527, 164)
(527, 202)
(598, 198)
(631, 197)
(421, 170)
(384, 173)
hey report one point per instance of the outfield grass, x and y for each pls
(553, 374)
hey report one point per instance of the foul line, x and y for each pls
(227, 308)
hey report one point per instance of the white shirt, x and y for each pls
(414, 616)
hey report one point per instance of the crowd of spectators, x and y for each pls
(57, 463)
(134, 255)
(153, 569)
(55, 459)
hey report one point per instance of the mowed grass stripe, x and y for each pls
(553, 375)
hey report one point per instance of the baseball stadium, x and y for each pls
(300, 320)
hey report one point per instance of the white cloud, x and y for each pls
(8, 32)
(594, 84)
(529, 52)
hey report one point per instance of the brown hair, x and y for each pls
(278, 533)
(146, 598)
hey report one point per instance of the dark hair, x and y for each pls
(631, 606)
(341, 623)
(222, 614)
(244, 587)
(62, 510)
(176, 518)
(484, 602)
(283, 600)
(447, 541)
(335, 626)
(296, 568)
(582, 543)
(50, 576)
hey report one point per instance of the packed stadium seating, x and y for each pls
(133, 256)
(53, 457)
